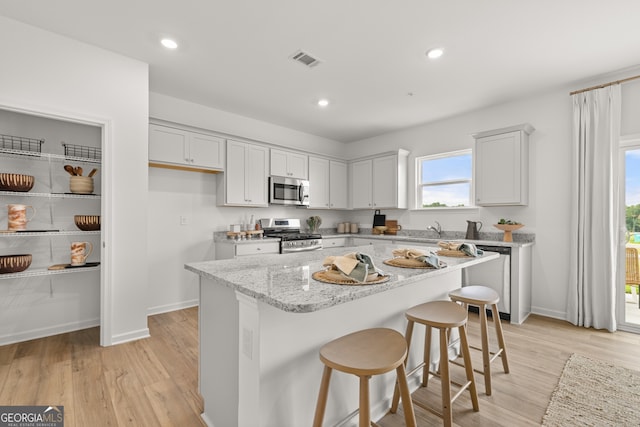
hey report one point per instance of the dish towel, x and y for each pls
(429, 259)
(356, 266)
(468, 248)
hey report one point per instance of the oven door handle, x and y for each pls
(308, 248)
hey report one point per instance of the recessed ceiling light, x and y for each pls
(435, 53)
(323, 102)
(169, 43)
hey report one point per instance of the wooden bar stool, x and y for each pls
(365, 353)
(484, 297)
(444, 316)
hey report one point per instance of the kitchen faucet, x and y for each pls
(437, 229)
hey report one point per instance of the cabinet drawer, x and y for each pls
(258, 248)
(338, 242)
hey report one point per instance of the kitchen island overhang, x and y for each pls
(264, 318)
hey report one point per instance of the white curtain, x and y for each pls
(595, 210)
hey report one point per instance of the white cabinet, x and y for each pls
(289, 164)
(502, 166)
(334, 242)
(379, 182)
(244, 182)
(184, 149)
(327, 183)
(229, 250)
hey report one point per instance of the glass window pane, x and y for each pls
(446, 168)
(446, 195)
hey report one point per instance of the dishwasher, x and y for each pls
(495, 274)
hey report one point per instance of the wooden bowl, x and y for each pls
(16, 182)
(87, 222)
(14, 263)
(508, 227)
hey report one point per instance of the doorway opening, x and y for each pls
(629, 316)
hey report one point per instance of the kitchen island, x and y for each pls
(263, 319)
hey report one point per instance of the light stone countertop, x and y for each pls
(284, 280)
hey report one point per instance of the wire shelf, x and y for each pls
(72, 150)
(21, 143)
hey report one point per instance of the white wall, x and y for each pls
(47, 73)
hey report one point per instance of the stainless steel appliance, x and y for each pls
(288, 191)
(495, 274)
(291, 239)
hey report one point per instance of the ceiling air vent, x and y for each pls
(305, 59)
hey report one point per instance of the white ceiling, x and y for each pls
(234, 54)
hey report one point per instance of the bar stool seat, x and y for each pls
(444, 316)
(484, 297)
(364, 354)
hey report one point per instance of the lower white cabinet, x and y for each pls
(182, 148)
(245, 178)
(334, 242)
(229, 250)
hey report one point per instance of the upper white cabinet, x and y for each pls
(502, 166)
(289, 164)
(185, 149)
(244, 181)
(327, 183)
(380, 182)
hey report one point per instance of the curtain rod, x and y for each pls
(617, 82)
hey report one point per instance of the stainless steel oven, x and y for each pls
(288, 191)
(291, 239)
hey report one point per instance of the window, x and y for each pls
(444, 180)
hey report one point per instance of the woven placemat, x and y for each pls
(410, 263)
(335, 278)
(451, 253)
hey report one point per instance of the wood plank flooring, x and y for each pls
(154, 381)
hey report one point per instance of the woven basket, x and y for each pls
(14, 263)
(334, 277)
(410, 263)
(450, 253)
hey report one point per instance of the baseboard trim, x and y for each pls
(172, 307)
(49, 331)
(130, 336)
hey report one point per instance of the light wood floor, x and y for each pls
(154, 382)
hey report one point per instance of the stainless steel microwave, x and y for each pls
(288, 191)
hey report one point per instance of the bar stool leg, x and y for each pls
(407, 405)
(426, 356)
(322, 397)
(365, 412)
(396, 391)
(447, 413)
(486, 357)
(498, 326)
(466, 354)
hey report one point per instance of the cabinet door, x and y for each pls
(338, 194)
(319, 171)
(385, 182)
(168, 145)
(256, 175)
(498, 170)
(206, 151)
(361, 184)
(235, 173)
(279, 163)
(297, 165)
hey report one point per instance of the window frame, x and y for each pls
(420, 185)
